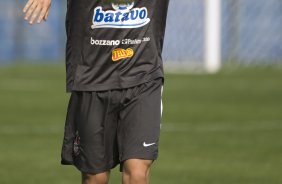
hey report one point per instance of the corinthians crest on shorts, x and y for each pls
(122, 16)
(76, 145)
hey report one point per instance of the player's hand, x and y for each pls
(37, 10)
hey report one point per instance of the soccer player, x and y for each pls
(115, 75)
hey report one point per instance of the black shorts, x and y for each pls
(105, 128)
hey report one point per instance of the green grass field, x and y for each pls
(217, 129)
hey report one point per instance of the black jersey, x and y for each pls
(113, 45)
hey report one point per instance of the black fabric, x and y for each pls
(114, 55)
(105, 128)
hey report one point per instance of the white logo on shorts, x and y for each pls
(147, 145)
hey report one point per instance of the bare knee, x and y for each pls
(136, 171)
(136, 176)
(101, 178)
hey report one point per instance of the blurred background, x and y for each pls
(223, 127)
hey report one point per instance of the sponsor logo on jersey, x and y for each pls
(104, 42)
(123, 16)
(120, 53)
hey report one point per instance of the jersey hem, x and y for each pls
(114, 86)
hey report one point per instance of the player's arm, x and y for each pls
(37, 10)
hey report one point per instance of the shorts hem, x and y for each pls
(139, 157)
(95, 171)
(63, 162)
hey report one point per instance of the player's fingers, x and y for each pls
(31, 10)
(28, 4)
(42, 14)
(47, 14)
(35, 14)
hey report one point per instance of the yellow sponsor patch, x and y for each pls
(120, 53)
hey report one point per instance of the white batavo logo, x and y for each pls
(123, 16)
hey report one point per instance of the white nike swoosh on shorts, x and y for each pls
(147, 145)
